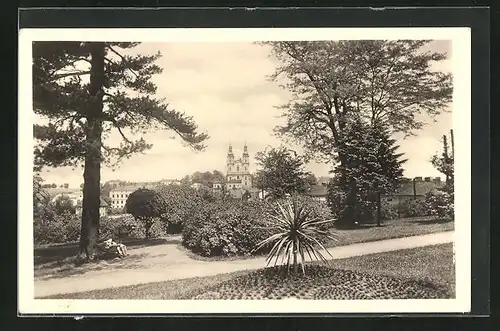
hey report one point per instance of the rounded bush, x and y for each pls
(225, 227)
(413, 208)
(440, 204)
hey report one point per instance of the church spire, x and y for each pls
(245, 149)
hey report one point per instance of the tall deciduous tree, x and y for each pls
(282, 172)
(88, 90)
(378, 81)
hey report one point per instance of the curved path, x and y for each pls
(168, 262)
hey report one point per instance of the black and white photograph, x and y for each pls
(244, 170)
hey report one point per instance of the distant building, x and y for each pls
(103, 208)
(75, 195)
(413, 189)
(197, 186)
(120, 194)
(408, 189)
(169, 182)
(238, 170)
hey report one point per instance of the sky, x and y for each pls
(224, 87)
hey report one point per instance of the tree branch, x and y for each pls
(123, 59)
(67, 74)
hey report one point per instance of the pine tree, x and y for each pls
(86, 91)
(372, 168)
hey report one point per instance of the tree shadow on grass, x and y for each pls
(71, 266)
(68, 267)
(60, 253)
(433, 221)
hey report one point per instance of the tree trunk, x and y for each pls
(379, 207)
(147, 228)
(414, 189)
(92, 171)
(295, 266)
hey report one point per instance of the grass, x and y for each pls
(400, 228)
(432, 264)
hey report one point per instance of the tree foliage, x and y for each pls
(87, 91)
(208, 178)
(61, 92)
(388, 81)
(372, 167)
(178, 202)
(281, 172)
(64, 205)
(146, 206)
(445, 162)
(42, 209)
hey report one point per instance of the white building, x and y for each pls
(197, 186)
(170, 182)
(120, 194)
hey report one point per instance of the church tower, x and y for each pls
(230, 159)
(245, 160)
(238, 170)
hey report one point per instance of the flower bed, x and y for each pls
(321, 283)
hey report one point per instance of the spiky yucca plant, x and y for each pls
(297, 232)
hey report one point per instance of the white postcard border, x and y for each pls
(461, 64)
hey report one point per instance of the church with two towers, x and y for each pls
(238, 170)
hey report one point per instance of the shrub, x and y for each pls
(413, 208)
(73, 225)
(63, 205)
(50, 232)
(178, 202)
(66, 228)
(125, 227)
(389, 211)
(224, 227)
(440, 204)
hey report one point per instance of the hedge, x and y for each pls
(65, 228)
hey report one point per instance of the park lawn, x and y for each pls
(431, 263)
(399, 228)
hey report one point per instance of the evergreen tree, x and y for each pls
(372, 167)
(87, 91)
